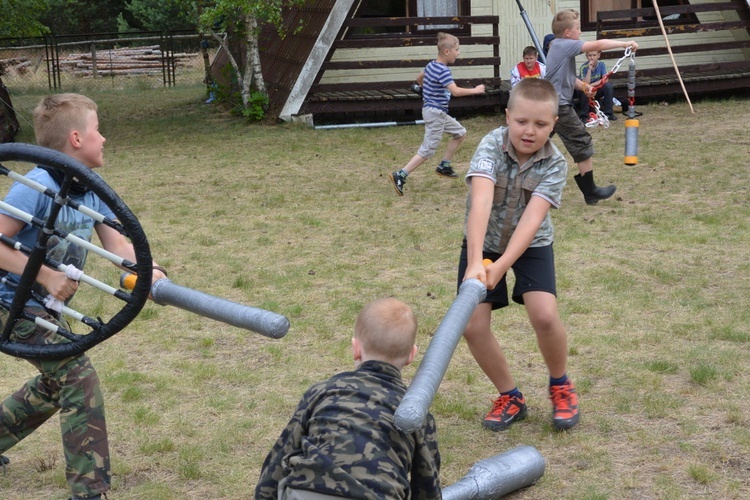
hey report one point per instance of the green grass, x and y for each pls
(653, 291)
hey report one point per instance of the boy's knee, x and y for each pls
(471, 331)
(547, 323)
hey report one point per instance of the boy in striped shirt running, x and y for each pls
(437, 88)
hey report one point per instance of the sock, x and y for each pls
(558, 381)
(445, 163)
(512, 393)
(403, 173)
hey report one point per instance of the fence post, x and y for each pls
(53, 62)
(167, 59)
(94, 69)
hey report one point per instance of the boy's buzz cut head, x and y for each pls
(564, 20)
(57, 115)
(530, 51)
(446, 41)
(387, 329)
(534, 89)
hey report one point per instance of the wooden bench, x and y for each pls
(712, 56)
(395, 94)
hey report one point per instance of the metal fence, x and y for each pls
(77, 63)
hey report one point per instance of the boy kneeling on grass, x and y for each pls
(342, 440)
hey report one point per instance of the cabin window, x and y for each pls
(590, 8)
(411, 8)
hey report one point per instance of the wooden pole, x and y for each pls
(669, 49)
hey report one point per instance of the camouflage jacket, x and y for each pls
(544, 174)
(342, 441)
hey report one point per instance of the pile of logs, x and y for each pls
(14, 65)
(122, 61)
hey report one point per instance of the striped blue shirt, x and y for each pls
(437, 77)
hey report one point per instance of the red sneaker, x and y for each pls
(564, 406)
(505, 410)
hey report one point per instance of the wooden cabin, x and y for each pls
(348, 58)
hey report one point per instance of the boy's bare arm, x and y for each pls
(587, 74)
(608, 44)
(420, 77)
(11, 260)
(585, 87)
(457, 91)
(116, 243)
(482, 193)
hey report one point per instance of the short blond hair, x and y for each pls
(564, 20)
(534, 89)
(387, 329)
(56, 115)
(446, 41)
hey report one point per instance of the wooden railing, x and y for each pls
(390, 87)
(726, 67)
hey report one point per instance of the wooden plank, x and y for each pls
(610, 15)
(366, 22)
(393, 106)
(409, 41)
(649, 79)
(392, 95)
(726, 69)
(681, 49)
(406, 63)
(670, 29)
(343, 87)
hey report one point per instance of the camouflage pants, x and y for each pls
(70, 386)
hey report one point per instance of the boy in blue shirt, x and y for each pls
(68, 123)
(437, 88)
(591, 72)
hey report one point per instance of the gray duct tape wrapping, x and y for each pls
(413, 409)
(498, 475)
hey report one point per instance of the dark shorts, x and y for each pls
(534, 271)
(573, 134)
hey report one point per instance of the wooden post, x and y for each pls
(669, 49)
(93, 60)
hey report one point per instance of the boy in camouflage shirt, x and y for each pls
(68, 123)
(342, 440)
(515, 177)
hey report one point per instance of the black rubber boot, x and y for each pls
(591, 193)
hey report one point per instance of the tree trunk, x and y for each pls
(252, 72)
(253, 54)
(240, 75)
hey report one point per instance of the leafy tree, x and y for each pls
(75, 17)
(161, 15)
(21, 18)
(243, 19)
